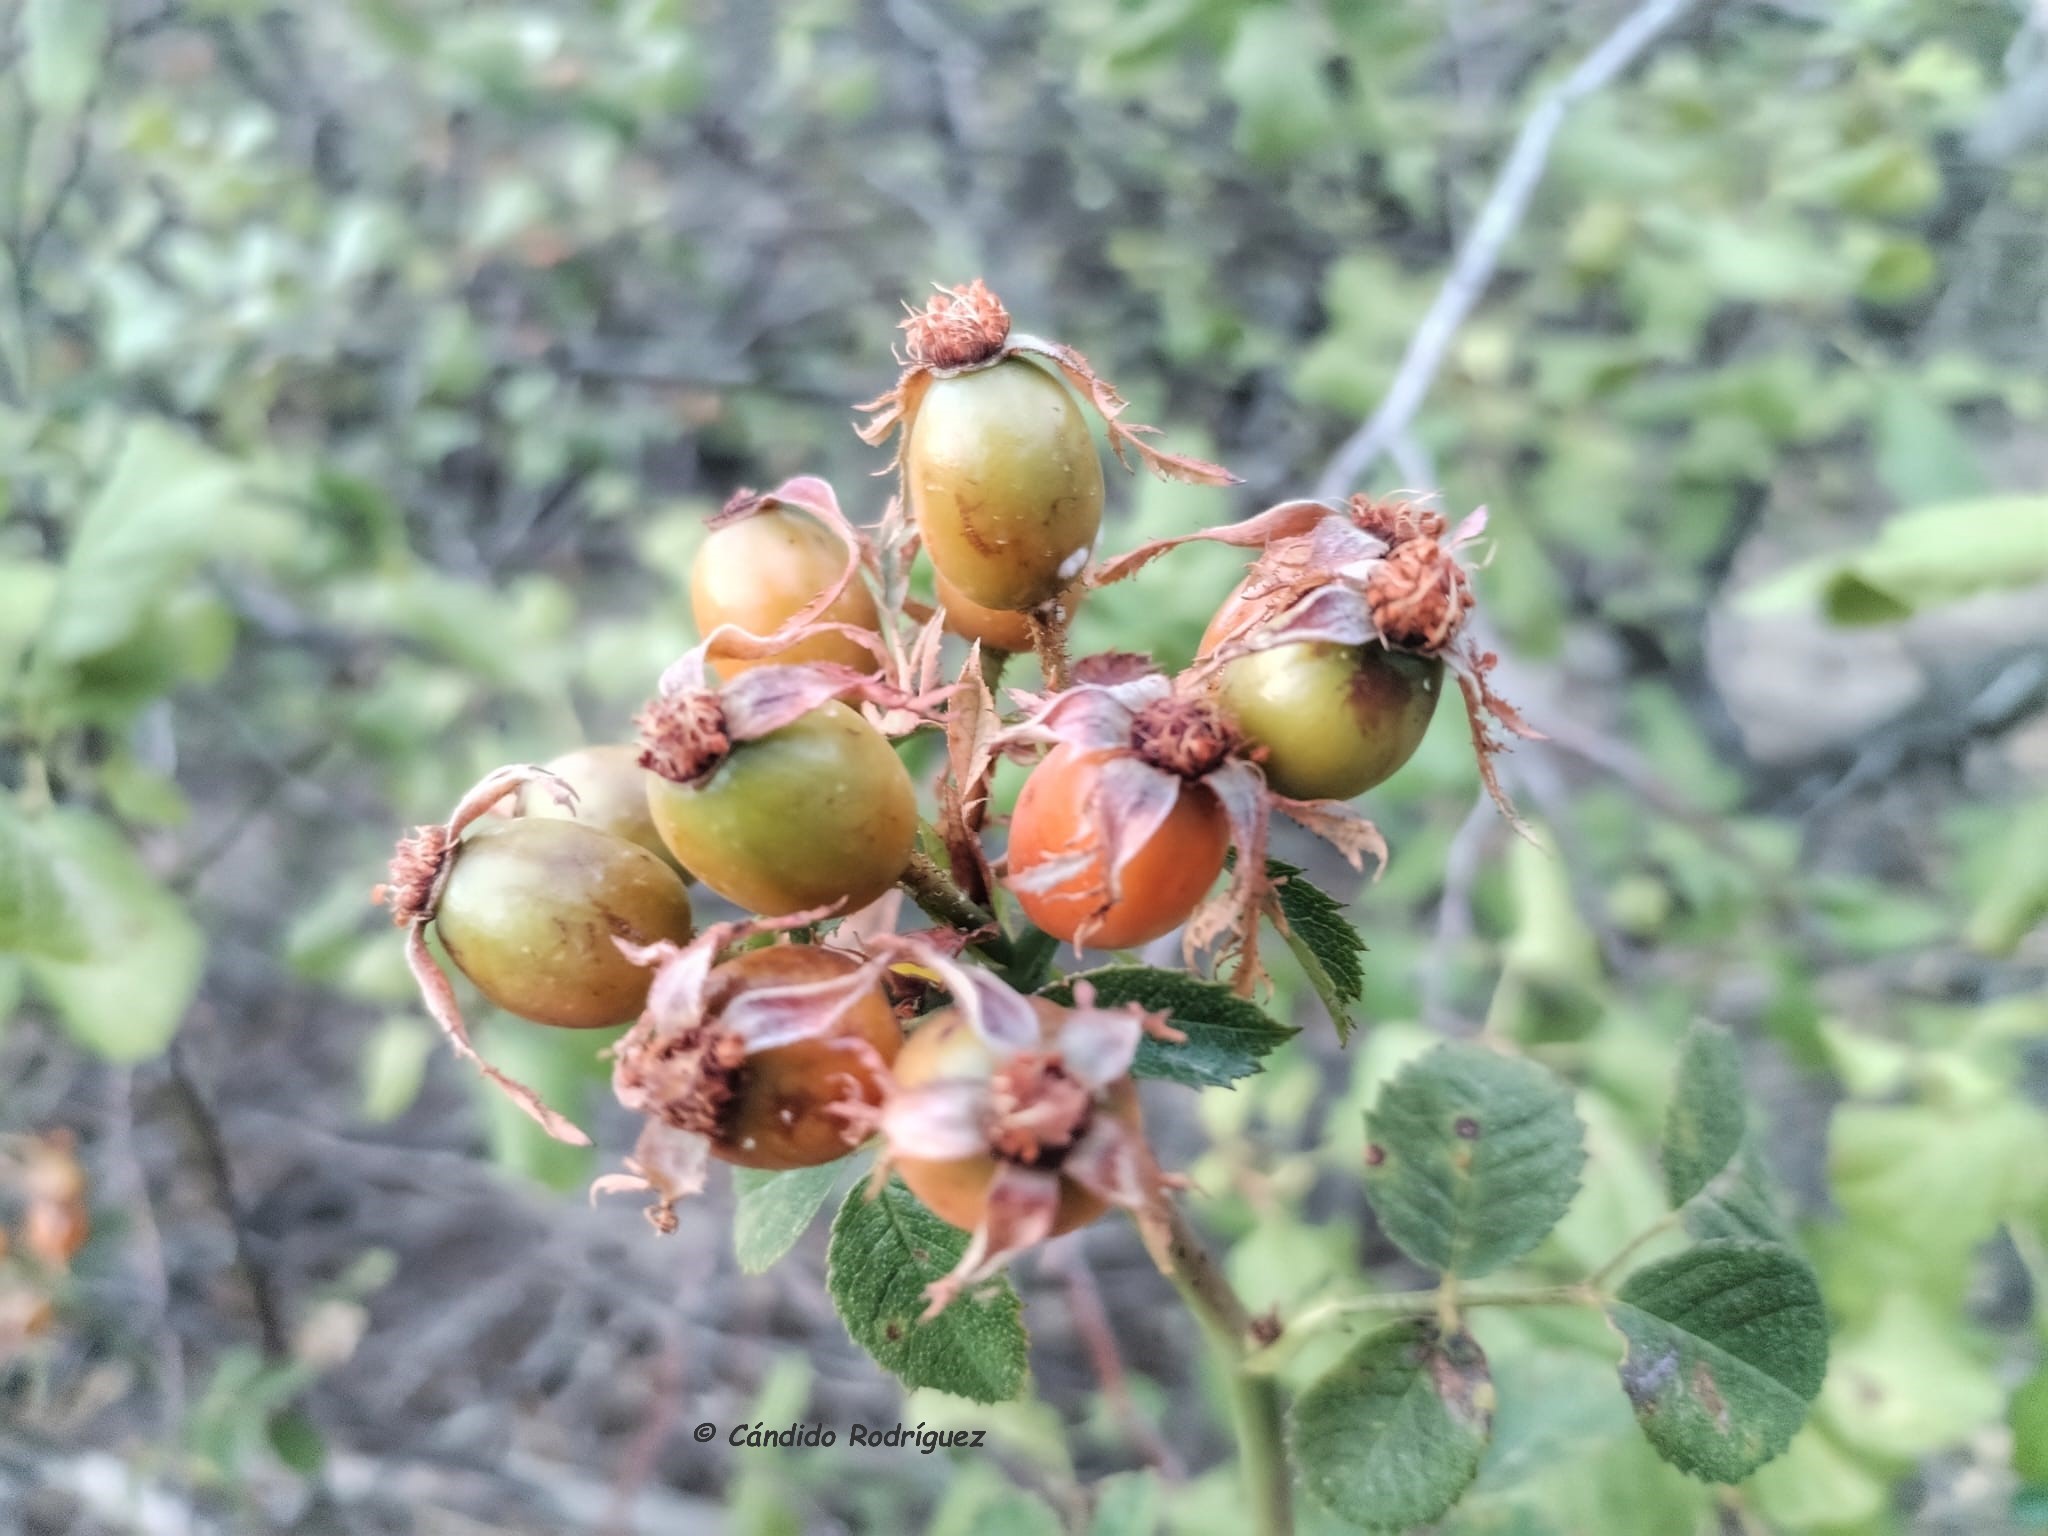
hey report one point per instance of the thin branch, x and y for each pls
(1472, 272)
(1232, 1334)
(1091, 1321)
(270, 1327)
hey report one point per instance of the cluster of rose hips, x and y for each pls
(765, 771)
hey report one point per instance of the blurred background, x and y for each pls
(367, 369)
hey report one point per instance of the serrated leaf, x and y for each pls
(1705, 1125)
(1741, 1201)
(777, 1208)
(1392, 1434)
(124, 998)
(1226, 1035)
(64, 41)
(884, 1252)
(1322, 940)
(37, 916)
(1474, 1156)
(1727, 1347)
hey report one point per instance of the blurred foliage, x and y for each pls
(366, 368)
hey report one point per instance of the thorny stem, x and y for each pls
(1430, 1303)
(1049, 638)
(1233, 1340)
(934, 891)
(270, 1324)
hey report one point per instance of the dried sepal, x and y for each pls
(972, 727)
(1288, 519)
(419, 873)
(1124, 438)
(669, 1164)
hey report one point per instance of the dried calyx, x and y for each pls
(683, 735)
(1418, 593)
(1037, 1110)
(686, 1078)
(957, 328)
(1187, 737)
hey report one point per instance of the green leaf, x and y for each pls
(124, 998)
(1920, 559)
(1818, 1484)
(1727, 1345)
(1392, 1434)
(2027, 1416)
(394, 1066)
(1474, 1156)
(1274, 75)
(2014, 900)
(167, 501)
(1323, 941)
(1226, 1035)
(37, 916)
(1704, 1128)
(1740, 1202)
(884, 1252)
(1918, 1380)
(1126, 1505)
(775, 1209)
(65, 41)
(1922, 455)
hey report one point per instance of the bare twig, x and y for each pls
(220, 1172)
(1499, 217)
(1091, 1321)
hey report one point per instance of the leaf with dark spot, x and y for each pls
(1392, 1434)
(884, 1252)
(1727, 1346)
(1479, 1155)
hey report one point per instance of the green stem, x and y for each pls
(1431, 1303)
(1228, 1328)
(1635, 1245)
(934, 891)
